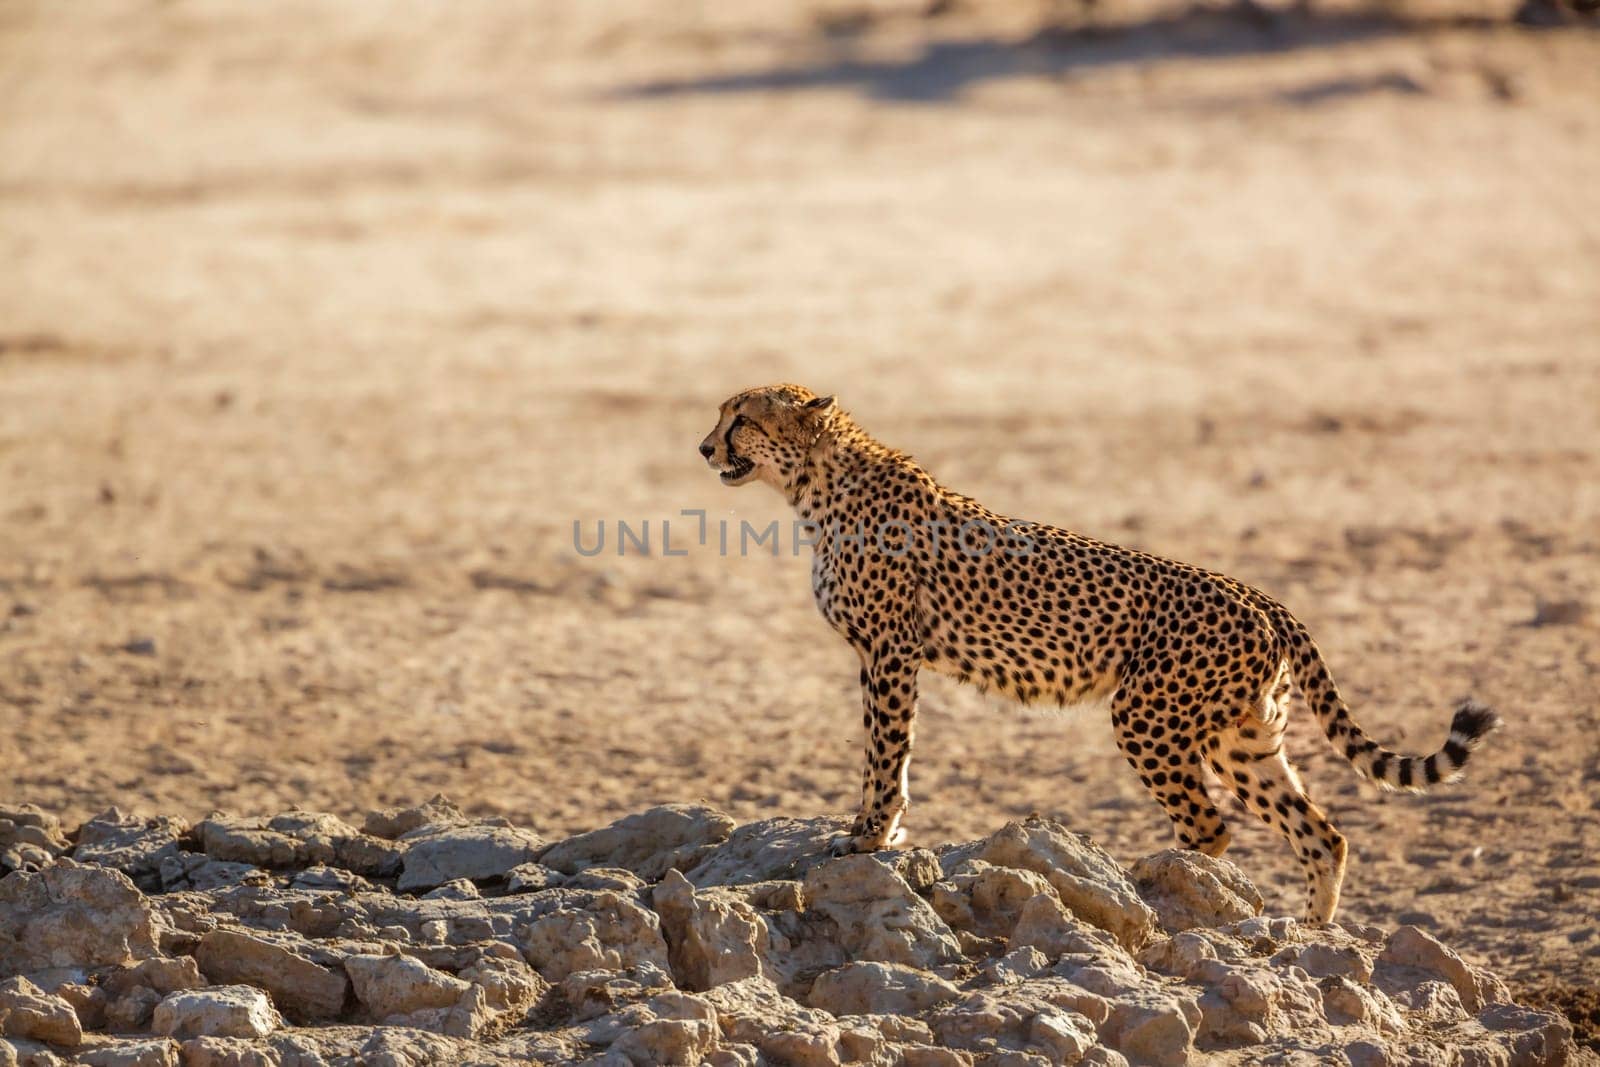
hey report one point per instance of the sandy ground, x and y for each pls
(321, 327)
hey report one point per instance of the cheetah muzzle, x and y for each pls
(1197, 668)
(741, 467)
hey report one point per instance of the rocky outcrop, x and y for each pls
(136, 847)
(28, 1011)
(651, 843)
(221, 1011)
(281, 964)
(70, 916)
(672, 936)
(438, 854)
(29, 838)
(297, 839)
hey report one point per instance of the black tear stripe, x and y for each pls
(727, 438)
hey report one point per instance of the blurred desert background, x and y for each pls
(322, 325)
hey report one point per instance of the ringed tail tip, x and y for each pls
(1472, 721)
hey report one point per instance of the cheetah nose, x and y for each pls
(706, 448)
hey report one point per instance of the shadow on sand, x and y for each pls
(943, 69)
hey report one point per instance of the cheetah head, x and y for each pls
(765, 434)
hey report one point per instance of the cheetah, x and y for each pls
(1197, 668)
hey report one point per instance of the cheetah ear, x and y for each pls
(819, 405)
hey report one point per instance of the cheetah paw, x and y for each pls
(853, 844)
(843, 845)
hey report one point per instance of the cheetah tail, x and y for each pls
(1472, 723)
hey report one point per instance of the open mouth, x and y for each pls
(740, 468)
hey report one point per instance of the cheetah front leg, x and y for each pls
(889, 708)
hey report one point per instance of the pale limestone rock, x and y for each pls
(1046, 925)
(1017, 965)
(297, 839)
(1432, 1000)
(1152, 1026)
(149, 1052)
(321, 876)
(876, 914)
(460, 889)
(918, 867)
(133, 845)
(22, 1052)
(230, 1052)
(1532, 1038)
(1349, 1003)
(1108, 974)
(88, 1002)
(392, 823)
(675, 1041)
(1244, 998)
(533, 878)
(1340, 958)
(392, 1046)
(985, 899)
(750, 1008)
(609, 1029)
(1367, 1053)
(508, 984)
(864, 988)
(648, 843)
(220, 1011)
(131, 1011)
(1179, 955)
(1018, 1023)
(160, 975)
(1250, 1002)
(1020, 960)
(934, 1056)
(897, 1028)
(613, 933)
(591, 994)
(734, 1054)
(194, 870)
(767, 850)
(1412, 950)
(437, 854)
(26, 1011)
(712, 935)
(1084, 876)
(303, 990)
(467, 1018)
(1060, 993)
(815, 1045)
(72, 916)
(1062, 1036)
(397, 985)
(1188, 889)
(30, 839)
(616, 879)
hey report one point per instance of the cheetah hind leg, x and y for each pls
(1173, 776)
(1249, 758)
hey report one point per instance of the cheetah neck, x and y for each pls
(841, 468)
(839, 455)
